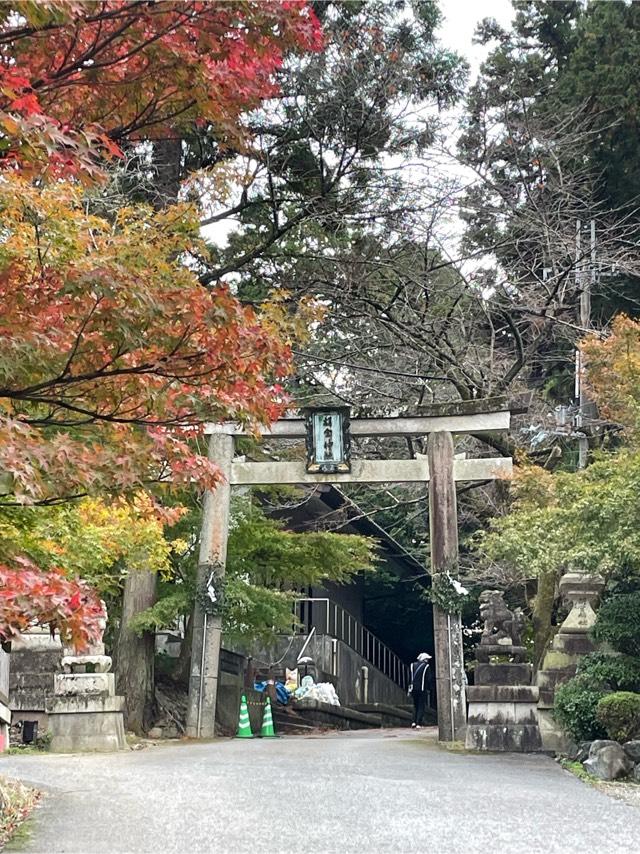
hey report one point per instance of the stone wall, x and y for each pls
(230, 688)
(35, 659)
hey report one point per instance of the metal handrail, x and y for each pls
(343, 626)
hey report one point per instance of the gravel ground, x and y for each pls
(372, 791)
(627, 792)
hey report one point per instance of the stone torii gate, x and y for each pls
(440, 469)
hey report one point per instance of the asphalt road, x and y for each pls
(392, 791)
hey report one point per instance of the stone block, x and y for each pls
(29, 681)
(86, 663)
(503, 713)
(553, 737)
(484, 651)
(82, 731)
(34, 660)
(37, 639)
(579, 752)
(502, 674)
(502, 694)
(608, 761)
(548, 682)
(67, 684)
(84, 704)
(632, 749)
(556, 659)
(551, 679)
(574, 645)
(228, 706)
(523, 738)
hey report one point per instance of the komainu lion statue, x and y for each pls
(499, 622)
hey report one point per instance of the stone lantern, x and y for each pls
(571, 642)
(85, 713)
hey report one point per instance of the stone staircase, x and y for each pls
(306, 716)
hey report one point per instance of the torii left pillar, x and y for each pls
(207, 629)
(447, 628)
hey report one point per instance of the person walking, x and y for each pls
(418, 687)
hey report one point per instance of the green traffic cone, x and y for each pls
(267, 730)
(244, 726)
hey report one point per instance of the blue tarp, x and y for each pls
(282, 694)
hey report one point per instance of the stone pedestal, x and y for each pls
(503, 713)
(569, 645)
(85, 713)
(503, 709)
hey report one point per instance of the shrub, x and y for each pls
(618, 623)
(613, 672)
(575, 708)
(619, 714)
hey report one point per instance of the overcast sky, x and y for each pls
(461, 18)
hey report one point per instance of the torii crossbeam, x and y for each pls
(439, 469)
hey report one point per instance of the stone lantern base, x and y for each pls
(85, 714)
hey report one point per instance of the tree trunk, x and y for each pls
(542, 614)
(167, 157)
(135, 654)
(183, 668)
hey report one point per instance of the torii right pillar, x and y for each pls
(443, 526)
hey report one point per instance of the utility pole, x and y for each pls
(585, 280)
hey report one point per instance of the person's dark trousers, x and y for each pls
(419, 705)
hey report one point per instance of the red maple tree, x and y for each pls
(112, 355)
(78, 78)
(28, 595)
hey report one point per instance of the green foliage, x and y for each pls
(173, 601)
(575, 708)
(265, 567)
(96, 540)
(256, 613)
(325, 140)
(619, 714)
(261, 548)
(602, 70)
(578, 770)
(555, 106)
(585, 706)
(578, 702)
(325, 215)
(613, 672)
(618, 623)
(447, 593)
(587, 520)
(570, 56)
